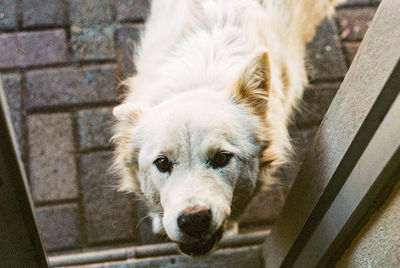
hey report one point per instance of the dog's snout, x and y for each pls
(195, 221)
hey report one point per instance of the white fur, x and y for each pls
(191, 57)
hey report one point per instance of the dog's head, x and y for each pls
(196, 156)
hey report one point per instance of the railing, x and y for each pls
(355, 156)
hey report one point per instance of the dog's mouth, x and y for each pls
(203, 246)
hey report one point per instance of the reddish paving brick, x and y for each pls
(8, 16)
(316, 101)
(51, 161)
(350, 49)
(132, 10)
(354, 22)
(95, 127)
(324, 54)
(67, 86)
(43, 13)
(59, 226)
(32, 48)
(126, 38)
(109, 214)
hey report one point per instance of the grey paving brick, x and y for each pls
(126, 38)
(59, 226)
(350, 49)
(92, 30)
(324, 54)
(12, 87)
(67, 86)
(302, 140)
(265, 207)
(43, 13)
(316, 101)
(93, 43)
(32, 48)
(354, 22)
(267, 204)
(95, 127)
(109, 214)
(132, 10)
(88, 13)
(51, 162)
(8, 16)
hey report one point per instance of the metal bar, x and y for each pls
(149, 251)
(356, 112)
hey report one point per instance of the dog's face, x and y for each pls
(195, 158)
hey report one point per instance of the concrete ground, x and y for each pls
(60, 64)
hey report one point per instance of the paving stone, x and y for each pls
(132, 10)
(8, 17)
(95, 127)
(302, 140)
(67, 86)
(354, 22)
(51, 161)
(59, 226)
(126, 39)
(33, 48)
(267, 204)
(316, 101)
(109, 214)
(94, 43)
(145, 226)
(265, 207)
(92, 30)
(43, 13)
(88, 13)
(350, 49)
(324, 54)
(12, 87)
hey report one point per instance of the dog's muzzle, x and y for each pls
(195, 222)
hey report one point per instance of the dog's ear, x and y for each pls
(253, 85)
(126, 112)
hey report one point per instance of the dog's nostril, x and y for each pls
(195, 221)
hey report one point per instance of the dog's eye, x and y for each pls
(163, 164)
(220, 160)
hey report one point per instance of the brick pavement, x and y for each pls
(61, 61)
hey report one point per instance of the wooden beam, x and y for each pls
(365, 96)
(20, 244)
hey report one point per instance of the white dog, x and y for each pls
(204, 122)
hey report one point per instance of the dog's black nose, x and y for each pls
(195, 221)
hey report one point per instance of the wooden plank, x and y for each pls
(20, 244)
(371, 175)
(361, 103)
